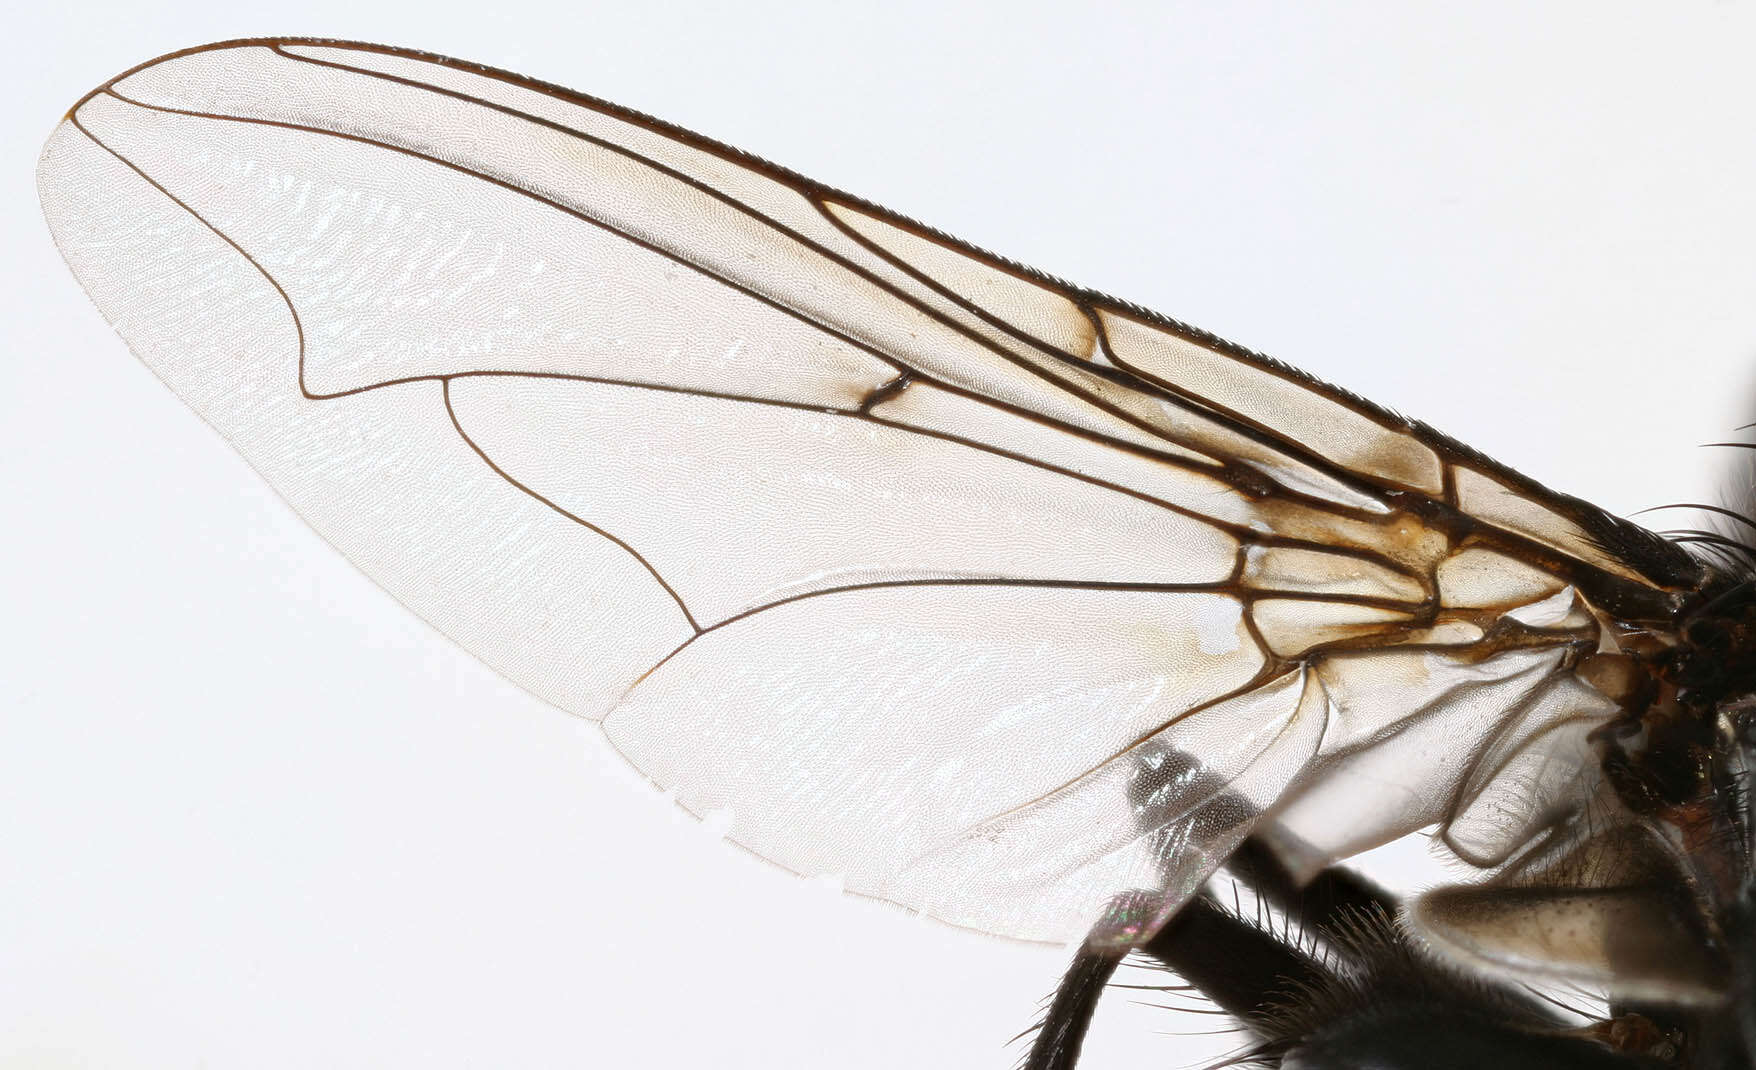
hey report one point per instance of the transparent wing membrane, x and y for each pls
(993, 597)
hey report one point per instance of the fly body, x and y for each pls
(993, 597)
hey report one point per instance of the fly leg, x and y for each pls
(1371, 1001)
(1239, 965)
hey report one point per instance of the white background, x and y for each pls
(253, 814)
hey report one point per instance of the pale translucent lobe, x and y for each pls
(848, 529)
(1559, 610)
(1403, 729)
(1529, 776)
(951, 720)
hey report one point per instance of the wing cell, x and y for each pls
(863, 733)
(741, 505)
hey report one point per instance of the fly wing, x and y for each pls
(990, 595)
